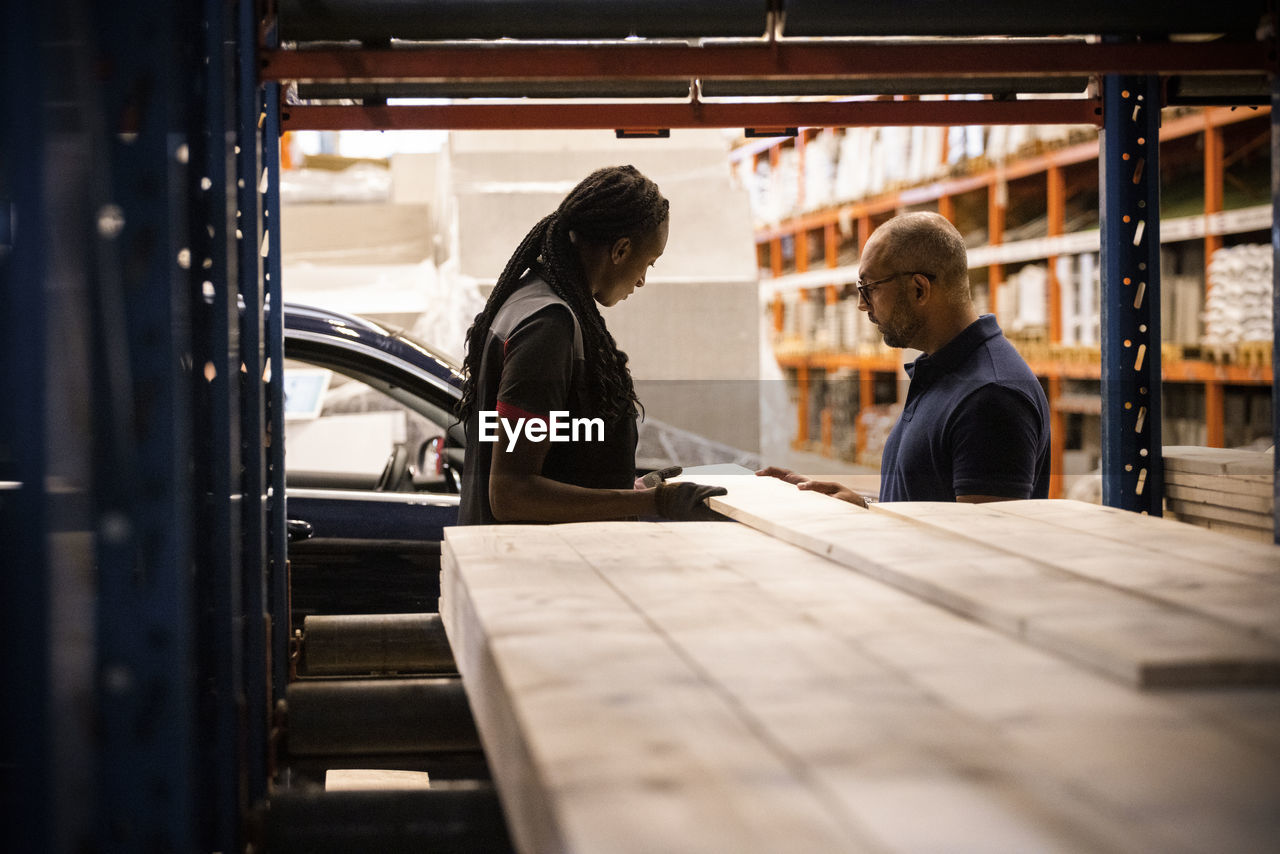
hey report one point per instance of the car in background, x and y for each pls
(374, 458)
(369, 425)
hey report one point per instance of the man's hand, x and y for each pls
(835, 490)
(782, 474)
(686, 501)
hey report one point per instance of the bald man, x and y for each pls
(975, 425)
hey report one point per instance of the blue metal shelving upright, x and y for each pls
(277, 507)
(25, 774)
(1132, 466)
(134, 588)
(253, 449)
(148, 535)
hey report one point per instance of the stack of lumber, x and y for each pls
(1225, 490)
(1023, 676)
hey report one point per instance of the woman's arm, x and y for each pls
(519, 493)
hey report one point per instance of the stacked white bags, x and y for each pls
(1238, 307)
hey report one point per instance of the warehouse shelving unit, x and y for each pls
(141, 499)
(822, 260)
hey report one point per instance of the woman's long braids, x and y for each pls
(608, 204)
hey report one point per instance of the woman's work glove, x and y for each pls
(653, 478)
(685, 501)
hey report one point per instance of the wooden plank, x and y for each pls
(617, 741)
(1258, 504)
(883, 748)
(1250, 605)
(1177, 540)
(1143, 642)
(1189, 458)
(379, 779)
(1230, 484)
(910, 727)
(1208, 768)
(1205, 510)
(1257, 535)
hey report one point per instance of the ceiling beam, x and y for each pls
(766, 61)
(642, 117)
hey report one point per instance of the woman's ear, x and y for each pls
(621, 249)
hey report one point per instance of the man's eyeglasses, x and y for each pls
(865, 288)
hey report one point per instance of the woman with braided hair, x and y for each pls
(540, 358)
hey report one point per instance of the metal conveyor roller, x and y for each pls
(466, 819)
(370, 716)
(360, 644)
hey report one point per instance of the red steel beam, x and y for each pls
(639, 117)
(780, 60)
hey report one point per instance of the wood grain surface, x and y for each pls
(709, 687)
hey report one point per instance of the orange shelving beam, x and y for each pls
(1057, 215)
(995, 237)
(802, 406)
(866, 400)
(1214, 414)
(947, 207)
(1213, 170)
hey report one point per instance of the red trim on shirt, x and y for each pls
(512, 413)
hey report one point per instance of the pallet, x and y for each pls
(1255, 354)
(1218, 354)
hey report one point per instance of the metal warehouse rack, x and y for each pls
(816, 237)
(140, 266)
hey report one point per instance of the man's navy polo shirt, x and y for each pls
(976, 422)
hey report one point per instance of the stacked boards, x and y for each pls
(1226, 490)
(710, 687)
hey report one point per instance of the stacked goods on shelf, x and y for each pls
(842, 406)
(1079, 285)
(1183, 421)
(1040, 238)
(1237, 311)
(876, 160)
(1023, 301)
(860, 335)
(876, 423)
(799, 324)
(1080, 291)
(776, 190)
(858, 163)
(821, 155)
(1181, 306)
(1227, 490)
(828, 335)
(811, 325)
(847, 329)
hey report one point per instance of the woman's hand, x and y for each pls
(686, 501)
(653, 478)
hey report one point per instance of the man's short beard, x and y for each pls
(905, 326)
